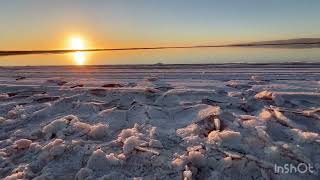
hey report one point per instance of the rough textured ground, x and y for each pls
(230, 121)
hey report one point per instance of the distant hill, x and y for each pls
(289, 43)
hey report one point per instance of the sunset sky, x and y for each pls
(48, 24)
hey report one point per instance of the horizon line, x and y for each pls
(62, 51)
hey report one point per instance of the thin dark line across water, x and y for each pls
(61, 51)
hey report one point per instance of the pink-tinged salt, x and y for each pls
(98, 131)
(22, 143)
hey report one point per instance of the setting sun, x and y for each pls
(76, 43)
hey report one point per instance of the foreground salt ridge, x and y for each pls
(162, 125)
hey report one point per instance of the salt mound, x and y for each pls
(15, 176)
(305, 137)
(84, 127)
(16, 112)
(192, 129)
(208, 112)
(187, 174)
(131, 143)
(84, 173)
(133, 139)
(112, 159)
(201, 127)
(70, 124)
(53, 149)
(97, 160)
(196, 158)
(155, 143)
(265, 95)
(265, 115)
(126, 133)
(22, 143)
(98, 131)
(54, 127)
(225, 137)
(2, 119)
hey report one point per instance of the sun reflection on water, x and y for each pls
(79, 58)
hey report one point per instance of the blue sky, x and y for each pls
(39, 24)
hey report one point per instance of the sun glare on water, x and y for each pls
(77, 43)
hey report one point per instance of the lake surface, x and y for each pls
(168, 56)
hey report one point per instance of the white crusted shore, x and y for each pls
(225, 121)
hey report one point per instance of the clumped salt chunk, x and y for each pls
(265, 115)
(71, 118)
(54, 127)
(233, 155)
(2, 120)
(57, 150)
(249, 123)
(64, 123)
(191, 129)
(214, 136)
(265, 95)
(36, 147)
(126, 133)
(53, 149)
(155, 143)
(121, 157)
(282, 119)
(15, 112)
(112, 159)
(97, 160)
(178, 163)
(187, 174)
(22, 143)
(192, 140)
(217, 124)
(230, 138)
(153, 132)
(84, 173)
(227, 162)
(196, 158)
(130, 144)
(82, 127)
(98, 131)
(309, 136)
(15, 176)
(305, 137)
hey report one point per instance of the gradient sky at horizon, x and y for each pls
(45, 24)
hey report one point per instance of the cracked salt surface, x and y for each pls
(159, 125)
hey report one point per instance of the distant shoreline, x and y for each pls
(298, 64)
(267, 44)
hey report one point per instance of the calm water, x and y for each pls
(169, 56)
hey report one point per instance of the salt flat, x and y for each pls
(223, 121)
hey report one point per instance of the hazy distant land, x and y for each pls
(290, 43)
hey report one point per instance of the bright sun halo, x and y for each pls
(76, 43)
